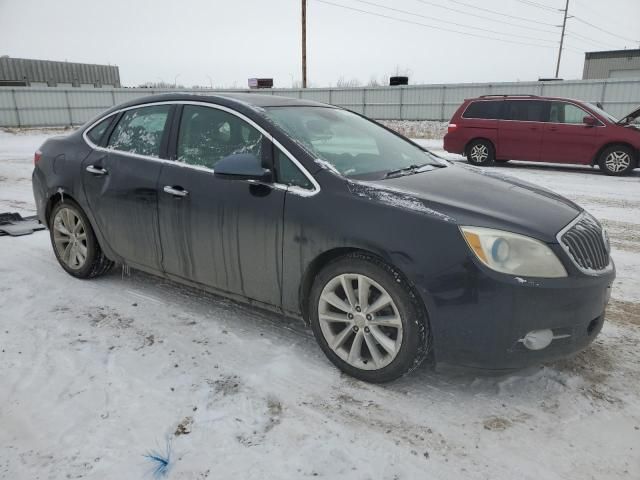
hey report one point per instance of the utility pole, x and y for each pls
(304, 43)
(564, 25)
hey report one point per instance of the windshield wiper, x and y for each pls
(410, 170)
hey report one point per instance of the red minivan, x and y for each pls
(499, 128)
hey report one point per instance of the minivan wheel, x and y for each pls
(480, 153)
(74, 242)
(367, 320)
(617, 160)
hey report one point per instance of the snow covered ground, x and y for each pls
(96, 374)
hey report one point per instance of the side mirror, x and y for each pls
(242, 166)
(589, 121)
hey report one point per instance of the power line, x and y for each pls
(538, 5)
(452, 23)
(476, 16)
(524, 19)
(603, 30)
(435, 27)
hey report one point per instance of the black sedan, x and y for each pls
(391, 253)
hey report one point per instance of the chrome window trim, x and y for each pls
(294, 189)
(592, 273)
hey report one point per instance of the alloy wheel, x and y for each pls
(479, 153)
(70, 238)
(360, 321)
(617, 161)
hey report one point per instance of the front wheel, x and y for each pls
(617, 160)
(367, 320)
(480, 153)
(74, 242)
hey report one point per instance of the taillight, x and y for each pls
(37, 156)
(452, 128)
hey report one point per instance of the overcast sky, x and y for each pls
(226, 42)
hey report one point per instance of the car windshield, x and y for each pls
(600, 111)
(353, 145)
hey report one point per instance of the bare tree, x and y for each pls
(343, 82)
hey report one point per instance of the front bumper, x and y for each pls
(483, 325)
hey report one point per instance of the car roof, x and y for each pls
(524, 97)
(245, 99)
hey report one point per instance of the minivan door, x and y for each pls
(226, 234)
(120, 184)
(567, 139)
(520, 131)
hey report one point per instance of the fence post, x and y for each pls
(15, 106)
(444, 95)
(401, 101)
(66, 96)
(113, 97)
(330, 96)
(604, 93)
(364, 102)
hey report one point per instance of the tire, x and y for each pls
(617, 160)
(77, 250)
(405, 331)
(480, 153)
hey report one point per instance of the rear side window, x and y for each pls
(561, 112)
(140, 130)
(207, 135)
(97, 132)
(289, 174)
(525, 110)
(486, 109)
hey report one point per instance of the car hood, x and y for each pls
(627, 119)
(466, 195)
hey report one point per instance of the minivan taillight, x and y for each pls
(37, 156)
(452, 128)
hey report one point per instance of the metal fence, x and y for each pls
(37, 107)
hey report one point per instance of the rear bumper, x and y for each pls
(453, 143)
(485, 328)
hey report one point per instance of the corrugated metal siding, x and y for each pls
(41, 71)
(599, 65)
(33, 107)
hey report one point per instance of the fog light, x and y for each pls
(538, 339)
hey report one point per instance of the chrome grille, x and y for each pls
(586, 244)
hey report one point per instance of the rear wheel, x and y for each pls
(617, 160)
(74, 242)
(367, 320)
(480, 153)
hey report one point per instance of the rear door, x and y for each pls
(120, 184)
(521, 129)
(567, 139)
(226, 234)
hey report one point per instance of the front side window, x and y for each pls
(485, 109)
(288, 173)
(561, 112)
(354, 146)
(140, 130)
(207, 135)
(525, 110)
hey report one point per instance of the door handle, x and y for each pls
(96, 170)
(175, 191)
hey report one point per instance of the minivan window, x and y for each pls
(525, 110)
(97, 132)
(561, 112)
(485, 109)
(207, 135)
(140, 130)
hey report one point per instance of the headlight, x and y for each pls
(514, 254)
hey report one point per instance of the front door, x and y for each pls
(120, 185)
(225, 234)
(567, 139)
(520, 132)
